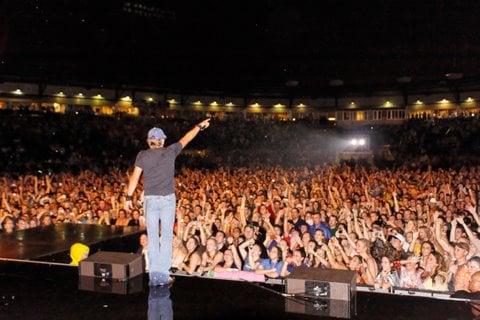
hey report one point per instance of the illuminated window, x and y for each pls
(360, 115)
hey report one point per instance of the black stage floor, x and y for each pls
(43, 290)
(51, 292)
(53, 243)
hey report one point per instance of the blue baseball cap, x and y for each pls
(156, 133)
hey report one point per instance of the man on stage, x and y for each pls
(158, 166)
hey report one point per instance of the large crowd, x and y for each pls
(261, 200)
(76, 142)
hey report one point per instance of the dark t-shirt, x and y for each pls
(134, 223)
(158, 167)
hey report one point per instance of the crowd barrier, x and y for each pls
(396, 291)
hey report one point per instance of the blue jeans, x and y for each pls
(160, 209)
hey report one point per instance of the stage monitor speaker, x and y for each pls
(321, 292)
(320, 307)
(112, 265)
(124, 287)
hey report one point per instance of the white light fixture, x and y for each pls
(98, 96)
(214, 104)
(278, 105)
(388, 104)
(418, 102)
(197, 103)
(358, 141)
(230, 104)
(149, 99)
(172, 101)
(126, 99)
(60, 94)
(444, 101)
(18, 92)
(80, 95)
(469, 99)
(255, 105)
(301, 105)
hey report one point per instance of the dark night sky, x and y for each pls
(239, 45)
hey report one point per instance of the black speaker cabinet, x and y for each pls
(114, 265)
(321, 292)
(320, 307)
(105, 285)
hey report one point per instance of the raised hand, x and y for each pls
(459, 220)
(128, 205)
(471, 209)
(204, 124)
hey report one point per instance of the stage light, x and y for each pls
(255, 105)
(469, 99)
(60, 94)
(98, 96)
(149, 99)
(418, 102)
(444, 101)
(126, 99)
(301, 105)
(388, 104)
(197, 103)
(230, 104)
(172, 101)
(214, 104)
(358, 141)
(80, 95)
(18, 92)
